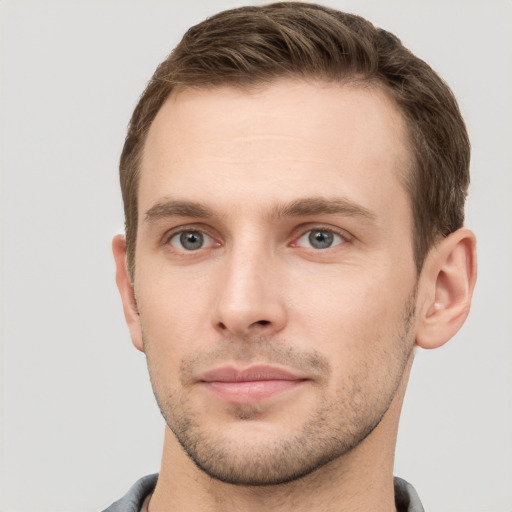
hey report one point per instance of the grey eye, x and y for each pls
(190, 240)
(320, 239)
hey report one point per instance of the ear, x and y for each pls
(124, 284)
(447, 282)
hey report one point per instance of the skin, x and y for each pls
(255, 173)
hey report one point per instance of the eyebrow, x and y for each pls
(304, 207)
(322, 206)
(173, 208)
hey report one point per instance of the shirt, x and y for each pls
(406, 498)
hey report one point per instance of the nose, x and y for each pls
(250, 300)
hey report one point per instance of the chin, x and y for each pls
(254, 454)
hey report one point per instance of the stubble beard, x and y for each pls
(323, 437)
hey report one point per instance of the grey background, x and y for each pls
(78, 420)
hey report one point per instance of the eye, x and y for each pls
(320, 239)
(191, 240)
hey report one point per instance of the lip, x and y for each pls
(249, 385)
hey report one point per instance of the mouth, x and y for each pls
(250, 385)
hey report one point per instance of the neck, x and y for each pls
(361, 480)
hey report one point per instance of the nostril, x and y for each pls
(236, 328)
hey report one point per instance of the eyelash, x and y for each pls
(169, 236)
(303, 233)
(321, 229)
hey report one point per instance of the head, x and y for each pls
(253, 46)
(294, 182)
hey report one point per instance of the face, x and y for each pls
(274, 273)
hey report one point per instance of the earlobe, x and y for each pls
(448, 279)
(126, 290)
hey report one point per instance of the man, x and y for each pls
(294, 182)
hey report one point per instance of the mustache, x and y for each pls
(251, 350)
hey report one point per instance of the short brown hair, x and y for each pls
(252, 46)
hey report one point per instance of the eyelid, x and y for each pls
(171, 233)
(175, 241)
(304, 229)
(298, 233)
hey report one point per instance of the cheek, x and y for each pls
(174, 313)
(355, 317)
(343, 298)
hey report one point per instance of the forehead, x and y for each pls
(280, 141)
